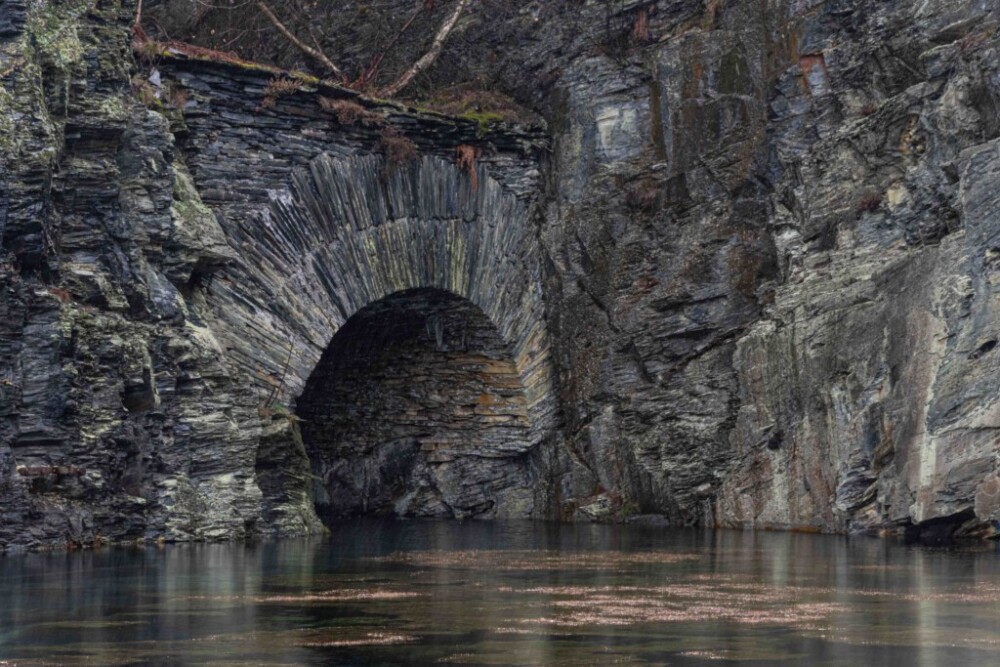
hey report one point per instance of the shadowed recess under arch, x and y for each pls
(417, 409)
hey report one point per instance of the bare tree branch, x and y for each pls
(305, 48)
(138, 34)
(369, 74)
(432, 53)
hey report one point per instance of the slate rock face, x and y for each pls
(768, 289)
(12, 15)
(171, 281)
(746, 278)
(865, 391)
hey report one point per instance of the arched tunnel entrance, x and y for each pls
(416, 408)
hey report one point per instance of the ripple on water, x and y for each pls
(383, 598)
(521, 560)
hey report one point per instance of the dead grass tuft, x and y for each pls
(466, 157)
(144, 91)
(397, 148)
(869, 202)
(279, 86)
(348, 113)
(644, 196)
(177, 97)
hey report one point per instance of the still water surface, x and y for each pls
(426, 593)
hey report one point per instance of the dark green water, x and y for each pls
(422, 593)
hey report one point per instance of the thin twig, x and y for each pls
(138, 34)
(372, 71)
(428, 58)
(305, 48)
(281, 381)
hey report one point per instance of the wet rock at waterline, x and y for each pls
(744, 277)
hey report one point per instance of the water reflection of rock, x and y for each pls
(427, 593)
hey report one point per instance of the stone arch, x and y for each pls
(350, 231)
(389, 229)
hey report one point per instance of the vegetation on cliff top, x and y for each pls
(391, 52)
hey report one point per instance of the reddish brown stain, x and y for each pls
(807, 63)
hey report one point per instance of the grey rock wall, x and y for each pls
(769, 295)
(865, 390)
(746, 277)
